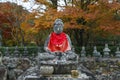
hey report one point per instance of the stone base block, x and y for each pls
(63, 68)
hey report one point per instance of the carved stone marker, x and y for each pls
(25, 54)
(117, 52)
(95, 52)
(83, 52)
(7, 53)
(106, 51)
(16, 53)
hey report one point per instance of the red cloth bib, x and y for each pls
(58, 42)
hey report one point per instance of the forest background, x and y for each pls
(87, 22)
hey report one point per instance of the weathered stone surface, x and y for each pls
(23, 64)
(62, 68)
(3, 72)
(42, 78)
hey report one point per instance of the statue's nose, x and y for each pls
(58, 29)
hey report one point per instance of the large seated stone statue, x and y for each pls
(59, 50)
(58, 40)
(58, 44)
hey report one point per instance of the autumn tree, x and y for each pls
(84, 20)
(73, 16)
(13, 15)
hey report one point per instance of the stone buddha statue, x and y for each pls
(59, 42)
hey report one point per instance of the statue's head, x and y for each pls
(58, 26)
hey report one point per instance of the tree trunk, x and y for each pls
(81, 37)
(65, 2)
(54, 2)
(22, 37)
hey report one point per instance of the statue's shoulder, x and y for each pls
(50, 34)
(67, 35)
(64, 33)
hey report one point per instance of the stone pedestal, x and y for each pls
(62, 68)
(42, 78)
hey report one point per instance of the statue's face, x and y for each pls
(58, 27)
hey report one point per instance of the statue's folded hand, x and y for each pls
(46, 49)
(69, 52)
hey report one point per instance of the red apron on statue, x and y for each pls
(58, 42)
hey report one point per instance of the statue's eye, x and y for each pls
(58, 24)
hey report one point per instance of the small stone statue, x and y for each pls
(117, 52)
(25, 53)
(59, 42)
(106, 51)
(7, 53)
(83, 52)
(96, 53)
(16, 53)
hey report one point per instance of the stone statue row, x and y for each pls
(96, 53)
(16, 52)
(106, 52)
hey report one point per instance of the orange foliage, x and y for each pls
(10, 14)
(102, 14)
